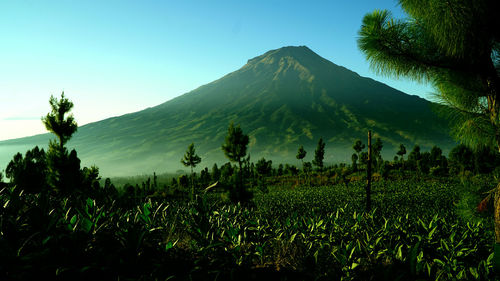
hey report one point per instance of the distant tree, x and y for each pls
(401, 152)
(280, 170)
(354, 159)
(385, 169)
(235, 145)
(57, 122)
(376, 153)
(358, 147)
(319, 154)
(215, 173)
(235, 149)
(28, 173)
(63, 167)
(436, 155)
(191, 159)
(183, 181)
(226, 172)
(462, 155)
(205, 177)
(413, 157)
(290, 170)
(363, 158)
(301, 154)
(424, 163)
(264, 167)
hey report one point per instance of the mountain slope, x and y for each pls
(282, 99)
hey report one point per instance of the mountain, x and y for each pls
(284, 98)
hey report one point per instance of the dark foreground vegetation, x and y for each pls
(419, 229)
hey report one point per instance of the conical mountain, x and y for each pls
(284, 98)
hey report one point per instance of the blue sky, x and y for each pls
(116, 57)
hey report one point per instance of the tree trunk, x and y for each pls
(192, 184)
(369, 173)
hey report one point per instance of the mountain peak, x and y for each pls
(295, 52)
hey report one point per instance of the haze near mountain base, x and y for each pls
(282, 99)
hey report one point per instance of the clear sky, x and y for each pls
(115, 57)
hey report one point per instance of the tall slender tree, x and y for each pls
(59, 121)
(63, 167)
(319, 154)
(455, 46)
(358, 147)
(235, 148)
(191, 159)
(301, 154)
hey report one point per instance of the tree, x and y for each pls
(235, 148)
(463, 156)
(354, 159)
(28, 173)
(358, 147)
(301, 154)
(376, 152)
(191, 159)
(264, 167)
(414, 157)
(319, 154)
(215, 173)
(454, 45)
(436, 156)
(57, 122)
(401, 152)
(63, 167)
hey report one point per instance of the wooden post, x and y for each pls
(369, 173)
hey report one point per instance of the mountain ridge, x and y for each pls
(283, 98)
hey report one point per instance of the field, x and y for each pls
(418, 229)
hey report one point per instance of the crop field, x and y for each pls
(415, 231)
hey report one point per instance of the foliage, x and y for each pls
(235, 149)
(29, 173)
(319, 154)
(453, 45)
(235, 145)
(57, 122)
(191, 159)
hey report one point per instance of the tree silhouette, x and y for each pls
(402, 151)
(358, 147)
(235, 148)
(376, 152)
(28, 173)
(319, 154)
(57, 122)
(354, 159)
(301, 154)
(63, 167)
(191, 159)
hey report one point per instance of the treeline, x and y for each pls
(259, 175)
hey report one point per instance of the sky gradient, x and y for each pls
(115, 57)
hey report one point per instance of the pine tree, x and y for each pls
(301, 154)
(319, 154)
(455, 46)
(235, 149)
(191, 159)
(63, 167)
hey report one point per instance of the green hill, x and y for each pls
(282, 99)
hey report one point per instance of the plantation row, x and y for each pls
(291, 234)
